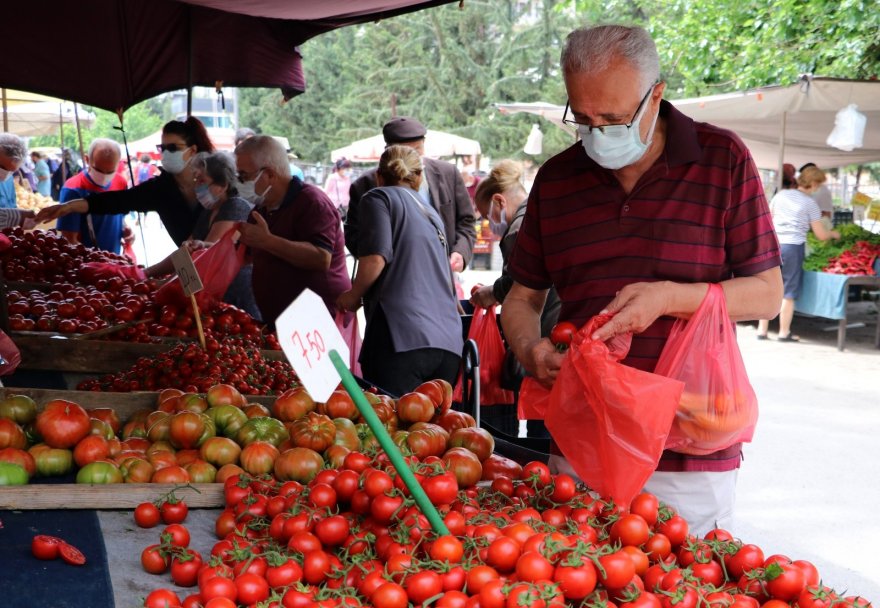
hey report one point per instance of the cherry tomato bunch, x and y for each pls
(96, 303)
(351, 536)
(190, 368)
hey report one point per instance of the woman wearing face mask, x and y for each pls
(795, 213)
(413, 331)
(214, 176)
(501, 198)
(338, 184)
(172, 194)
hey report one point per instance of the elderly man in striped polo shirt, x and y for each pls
(637, 218)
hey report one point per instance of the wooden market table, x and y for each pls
(826, 295)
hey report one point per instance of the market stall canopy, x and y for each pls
(550, 111)
(438, 144)
(137, 49)
(809, 107)
(43, 118)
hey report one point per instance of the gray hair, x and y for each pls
(12, 146)
(220, 169)
(242, 134)
(591, 49)
(103, 142)
(266, 151)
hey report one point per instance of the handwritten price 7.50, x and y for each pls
(313, 344)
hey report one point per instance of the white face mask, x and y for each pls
(617, 146)
(173, 161)
(500, 227)
(100, 178)
(247, 191)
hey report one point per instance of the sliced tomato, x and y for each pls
(45, 547)
(71, 554)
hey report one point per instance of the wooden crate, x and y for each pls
(48, 352)
(112, 496)
(55, 352)
(37, 496)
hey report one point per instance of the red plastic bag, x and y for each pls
(484, 331)
(91, 272)
(217, 266)
(718, 407)
(610, 420)
(10, 356)
(533, 400)
(352, 337)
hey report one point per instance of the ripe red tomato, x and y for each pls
(71, 554)
(785, 581)
(576, 582)
(646, 505)
(185, 568)
(162, 598)
(174, 511)
(178, 535)
(251, 588)
(619, 570)
(563, 333)
(630, 529)
(146, 515)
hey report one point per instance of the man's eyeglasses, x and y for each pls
(609, 129)
(246, 177)
(170, 147)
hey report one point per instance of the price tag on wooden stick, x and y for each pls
(186, 271)
(307, 332)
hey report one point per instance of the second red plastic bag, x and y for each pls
(217, 267)
(484, 331)
(718, 407)
(609, 420)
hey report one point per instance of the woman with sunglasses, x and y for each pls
(172, 194)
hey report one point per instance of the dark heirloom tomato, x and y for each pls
(415, 407)
(315, 432)
(477, 440)
(262, 428)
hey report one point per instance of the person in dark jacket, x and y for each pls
(441, 187)
(172, 195)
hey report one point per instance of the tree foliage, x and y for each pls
(446, 66)
(716, 46)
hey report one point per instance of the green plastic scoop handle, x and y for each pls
(388, 445)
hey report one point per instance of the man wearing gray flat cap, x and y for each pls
(442, 187)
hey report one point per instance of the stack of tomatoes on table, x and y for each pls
(352, 536)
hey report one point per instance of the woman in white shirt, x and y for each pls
(795, 213)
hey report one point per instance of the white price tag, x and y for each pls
(190, 281)
(307, 332)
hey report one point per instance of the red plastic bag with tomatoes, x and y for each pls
(485, 332)
(610, 420)
(718, 407)
(217, 266)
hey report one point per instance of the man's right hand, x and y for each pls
(545, 361)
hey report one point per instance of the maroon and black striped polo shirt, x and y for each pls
(697, 215)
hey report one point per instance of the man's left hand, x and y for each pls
(255, 235)
(456, 261)
(636, 306)
(348, 300)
